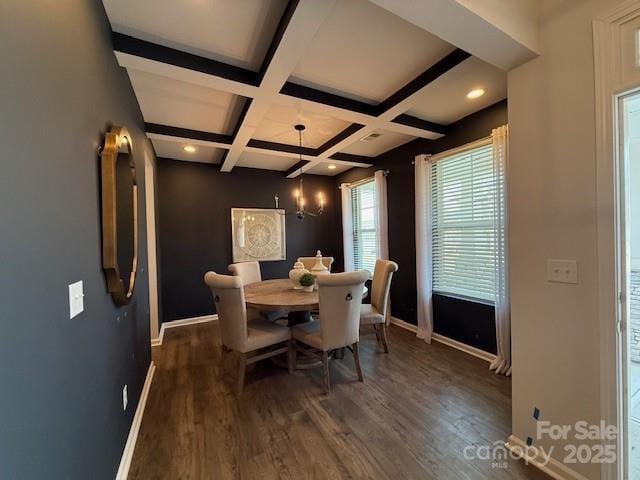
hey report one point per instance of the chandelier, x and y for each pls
(298, 193)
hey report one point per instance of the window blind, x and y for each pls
(365, 236)
(463, 191)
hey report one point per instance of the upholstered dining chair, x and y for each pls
(376, 313)
(249, 272)
(309, 262)
(340, 296)
(249, 340)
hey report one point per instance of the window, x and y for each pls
(463, 193)
(365, 231)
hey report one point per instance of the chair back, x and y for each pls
(340, 297)
(228, 296)
(249, 272)
(309, 262)
(381, 285)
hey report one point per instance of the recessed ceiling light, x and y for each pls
(476, 93)
(332, 167)
(189, 148)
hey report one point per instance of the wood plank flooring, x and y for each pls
(417, 409)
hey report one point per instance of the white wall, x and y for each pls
(552, 214)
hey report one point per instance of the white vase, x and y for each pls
(295, 273)
(309, 289)
(318, 268)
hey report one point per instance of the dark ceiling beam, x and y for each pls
(159, 53)
(281, 147)
(188, 133)
(295, 167)
(152, 51)
(277, 38)
(425, 78)
(349, 157)
(243, 114)
(350, 130)
(411, 121)
(226, 140)
(318, 96)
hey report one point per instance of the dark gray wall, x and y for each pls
(61, 379)
(195, 201)
(401, 199)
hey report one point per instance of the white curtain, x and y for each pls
(502, 363)
(347, 228)
(382, 220)
(423, 248)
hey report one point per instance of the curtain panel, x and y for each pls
(502, 363)
(424, 254)
(347, 228)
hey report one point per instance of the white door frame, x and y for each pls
(613, 77)
(152, 258)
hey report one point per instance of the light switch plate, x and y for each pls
(76, 299)
(562, 271)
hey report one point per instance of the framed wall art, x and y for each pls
(258, 234)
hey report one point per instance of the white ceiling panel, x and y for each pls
(175, 150)
(385, 142)
(171, 102)
(445, 100)
(267, 162)
(367, 53)
(278, 123)
(323, 169)
(237, 32)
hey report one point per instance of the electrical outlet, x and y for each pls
(125, 399)
(562, 271)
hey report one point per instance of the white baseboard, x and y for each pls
(129, 447)
(476, 352)
(181, 323)
(406, 325)
(553, 468)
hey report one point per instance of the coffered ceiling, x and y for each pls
(231, 78)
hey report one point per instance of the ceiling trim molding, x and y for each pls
(217, 140)
(296, 29)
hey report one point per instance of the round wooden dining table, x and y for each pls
(279, 295)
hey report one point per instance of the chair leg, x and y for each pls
(291, 355)
(383, 336)
(377, 330)
(356, 359)
(325, 366)
(241, 372)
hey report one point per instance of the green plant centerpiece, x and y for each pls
(307, 281)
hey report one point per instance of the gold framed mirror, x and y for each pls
(119, 215)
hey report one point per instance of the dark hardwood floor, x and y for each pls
(417, 409)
